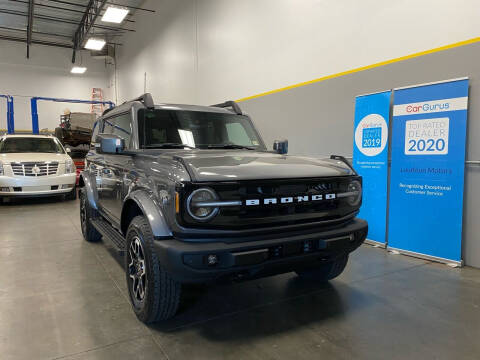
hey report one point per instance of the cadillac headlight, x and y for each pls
(354, 193)
(2, 171)
(69, 167)
(201, 204)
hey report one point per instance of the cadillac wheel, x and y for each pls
(154, 294)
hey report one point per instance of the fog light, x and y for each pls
(212, 260)
(5, 189)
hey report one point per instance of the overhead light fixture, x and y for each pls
(95, 44)
(78, 70)
(115, 14)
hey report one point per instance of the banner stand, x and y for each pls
(449, 262)
(370, 160)
(429, 128)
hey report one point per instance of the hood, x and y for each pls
(32, 157)
(208, 165)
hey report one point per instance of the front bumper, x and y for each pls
(36, 186)
(187, 262)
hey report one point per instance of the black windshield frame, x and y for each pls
(30, 144)
(196, 122)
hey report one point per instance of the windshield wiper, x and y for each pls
(168, 145)
(229, 146)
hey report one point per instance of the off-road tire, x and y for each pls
(161, 292)
(89, 232)
(325, 272)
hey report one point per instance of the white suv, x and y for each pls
(35, 165)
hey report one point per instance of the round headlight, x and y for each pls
(201, 197)
(355, 193)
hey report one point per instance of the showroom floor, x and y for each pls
(61, 297)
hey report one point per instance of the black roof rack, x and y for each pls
(231, 104)
(146, 99)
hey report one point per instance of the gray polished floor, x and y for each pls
(61, 297)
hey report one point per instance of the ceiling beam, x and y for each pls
(92, 11)
(31, 5)
(38, 42)
(60, 20)
(59, 8)
(130, 7)
(108, 2)
(35, 32)
(50, 34)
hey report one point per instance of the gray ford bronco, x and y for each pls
(190, 194)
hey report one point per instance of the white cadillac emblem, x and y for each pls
(36, 170)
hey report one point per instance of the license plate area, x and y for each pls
(252, 257)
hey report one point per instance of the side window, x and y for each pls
(120, 125)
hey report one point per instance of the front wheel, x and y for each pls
(154, 294)
(325, 272)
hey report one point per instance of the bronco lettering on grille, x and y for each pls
(289, 199)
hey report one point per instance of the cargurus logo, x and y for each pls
(428, 107)
(433, 106)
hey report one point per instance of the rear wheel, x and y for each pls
(325, 272)
(154, 294)
(86, 214)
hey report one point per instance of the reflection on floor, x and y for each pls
(61, 297)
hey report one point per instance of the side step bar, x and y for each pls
(108, 232)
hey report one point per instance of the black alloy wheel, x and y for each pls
(136, 270)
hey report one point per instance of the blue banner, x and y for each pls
(427, 171)
(370, 159)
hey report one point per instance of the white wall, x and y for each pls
(164, 47)
(46, 73)
(205, 51)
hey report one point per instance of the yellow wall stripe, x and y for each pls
(362, 68)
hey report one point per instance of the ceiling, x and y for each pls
(55, 22)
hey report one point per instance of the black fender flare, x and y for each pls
(89, 183)
(152, 211)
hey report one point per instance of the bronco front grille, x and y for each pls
(246, 217)
(34, 169)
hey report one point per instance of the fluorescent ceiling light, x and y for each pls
(78, 70)
(95, 44)
(115, 14)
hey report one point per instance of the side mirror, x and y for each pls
(68, 150)
(110, 144)
(280, 146)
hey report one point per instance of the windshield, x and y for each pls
(196, 129)
(30, 145)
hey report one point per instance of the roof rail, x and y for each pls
(231, 104)
(146, 99)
